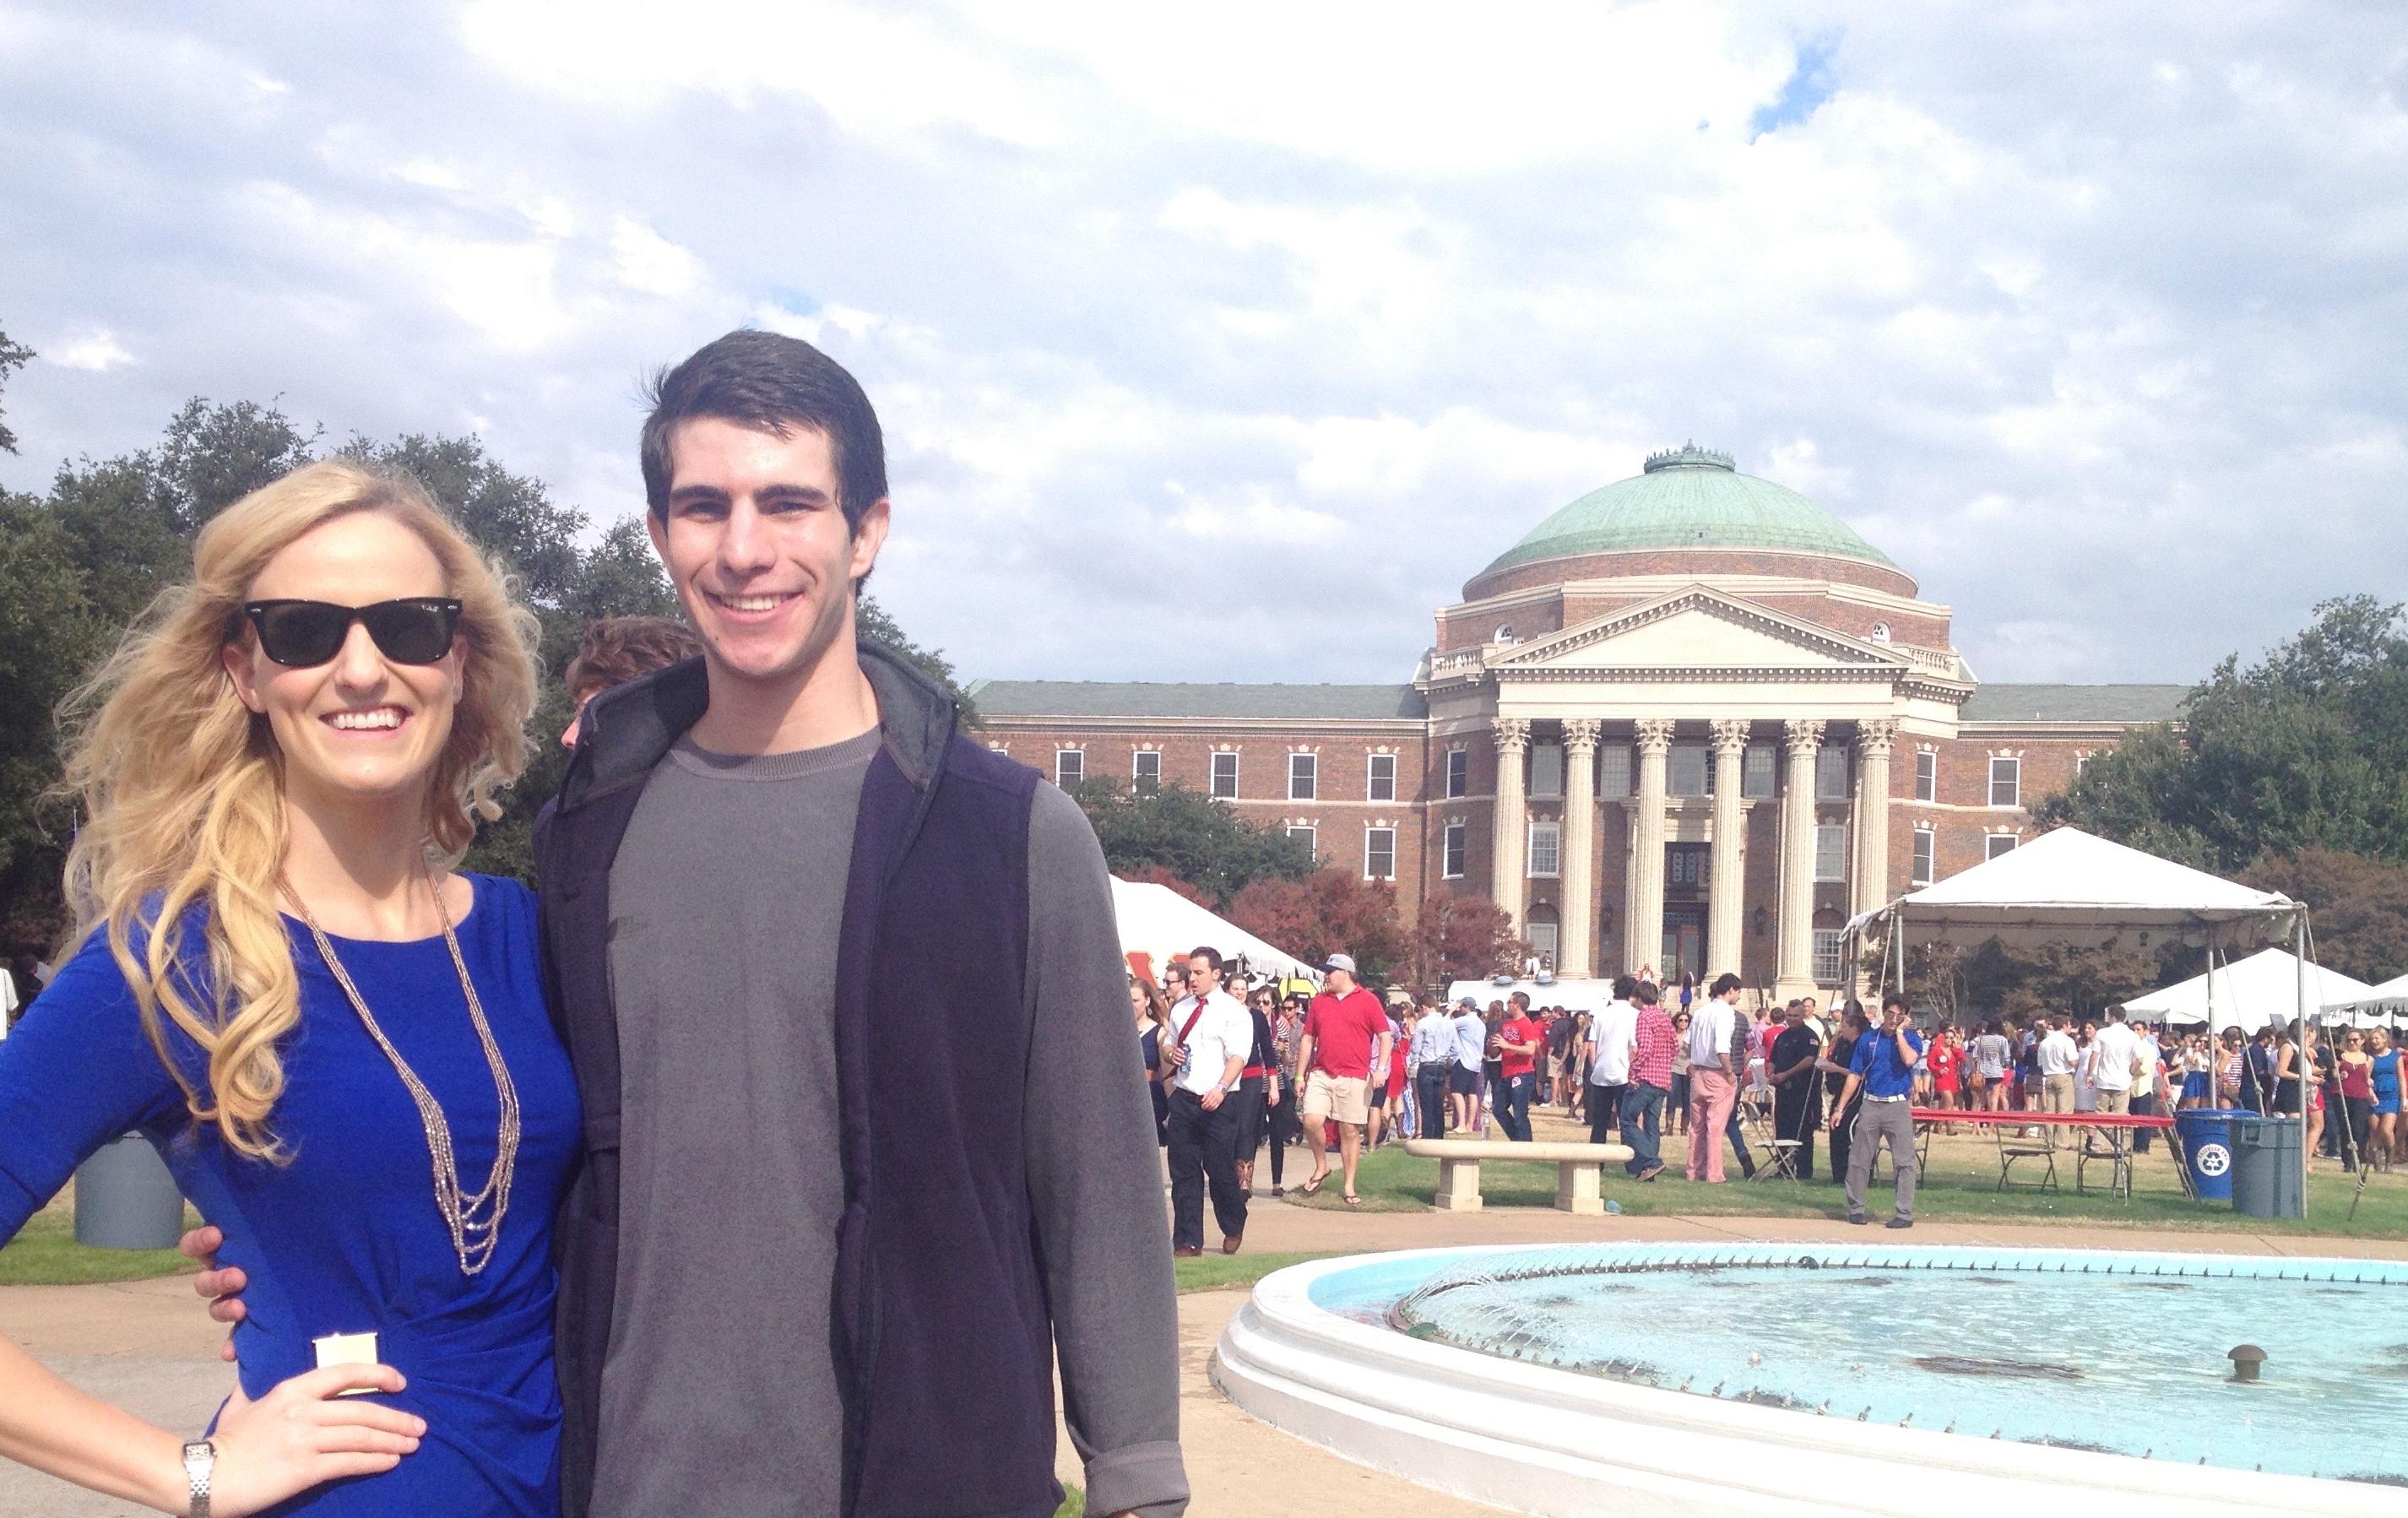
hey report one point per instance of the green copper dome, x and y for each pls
(1690, 498)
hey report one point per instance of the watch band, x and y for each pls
(200, 1462)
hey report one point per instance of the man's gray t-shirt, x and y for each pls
(720, 1391)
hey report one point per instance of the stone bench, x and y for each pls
(1576, 1168)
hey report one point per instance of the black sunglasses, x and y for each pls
(415, 630)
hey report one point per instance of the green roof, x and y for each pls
(1689, 498)
(1132, 699)
(2074, 704)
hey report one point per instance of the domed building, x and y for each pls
(1691, 720)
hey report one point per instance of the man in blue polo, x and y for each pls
(1883, 1069)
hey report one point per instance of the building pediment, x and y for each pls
(1698, 629)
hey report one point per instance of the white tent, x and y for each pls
(2248, 993)
(1580, 996)
(2072, 886)
(2376, 1004)
(1159, 922)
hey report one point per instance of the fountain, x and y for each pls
(1769, 1379)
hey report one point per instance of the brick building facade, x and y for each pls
(1691, 722)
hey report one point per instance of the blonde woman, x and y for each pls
(339, 1044)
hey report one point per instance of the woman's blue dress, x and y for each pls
(345, 1236)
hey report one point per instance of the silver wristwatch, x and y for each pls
(200, 1459)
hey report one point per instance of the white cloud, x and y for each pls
(652, 263)
(95, 350)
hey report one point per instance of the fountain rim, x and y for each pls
(1433, 1412)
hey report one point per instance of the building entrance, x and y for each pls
(1684, 942)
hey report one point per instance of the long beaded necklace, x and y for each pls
(475, 1219)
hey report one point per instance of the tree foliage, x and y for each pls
(2302, 756)
(1189, 835)
(2358, 907)
(1465, 938)
(1329, 911)
(12, 358)
(88, 557)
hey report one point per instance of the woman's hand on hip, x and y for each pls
(304, 1434)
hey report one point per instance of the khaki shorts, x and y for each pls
(1340, 1097)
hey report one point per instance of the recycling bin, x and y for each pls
(2207, 1136)
(124, 1198)
(2266, 1166)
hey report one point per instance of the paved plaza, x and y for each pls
(150, 1346)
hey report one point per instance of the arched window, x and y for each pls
(1881, 632)
(1505, 633)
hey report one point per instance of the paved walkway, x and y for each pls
(150, 1346)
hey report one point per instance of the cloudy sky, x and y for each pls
(1227, 349)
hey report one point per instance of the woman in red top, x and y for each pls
(1947, 1061)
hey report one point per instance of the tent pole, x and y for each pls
(2299, 1033)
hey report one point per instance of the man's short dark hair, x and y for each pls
(616, 650)
(1208, 954)
(1897, 999)
(776, 384)
(1520, 999)
(1645, 995)
(1725, 985)
(1624, 985)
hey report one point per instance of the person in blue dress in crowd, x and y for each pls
(337, 1043)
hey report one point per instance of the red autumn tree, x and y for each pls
(1465, 938)
(1330, 911)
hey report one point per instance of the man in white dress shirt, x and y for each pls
(1212, 1036)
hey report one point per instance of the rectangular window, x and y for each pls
(1379, 854)
(1547, 770)
(1831, 774)
(1927, 847)
(1831, 851)
(1689, 771)
(2006, 782)
(1303, 834)
(1826, 954)
(1147, 778)
(1926, 776)
(1542, 941)
(1451, 861)
(1069, 768)
(1685, 866)
(1756, 772)
(1303, 776)
(2080, 763)
(1225, 776)
(1383, 778)
(1614, 771)
(1458, 772)
(1998, 843)
(1546, 850)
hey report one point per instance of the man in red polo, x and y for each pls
(1346, 1037)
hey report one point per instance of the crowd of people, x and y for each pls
(1346, 1070)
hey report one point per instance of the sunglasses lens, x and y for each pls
(299, 633)
(411, 631)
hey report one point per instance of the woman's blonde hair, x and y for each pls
(181, 789)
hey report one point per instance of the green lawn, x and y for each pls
(44, 1254)
(1074, 1503)
(1226, 1273)
(1959, 1186)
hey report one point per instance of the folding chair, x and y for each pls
(1782, 1166)
(2018, 1148)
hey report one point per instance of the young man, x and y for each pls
(1611, 1037)
(616, 650)
(1431, 1055)
(1713, 1077)
(1883, 1069)
(847, 1009)
(1796, 1092)
(1463, 1082)
(1522, 1038)
(2057, 1054)
(1345, 1039)
(2114, 1063)
(1211, 1035)
(1650, 1086)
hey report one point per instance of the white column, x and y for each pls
(1574, 949)
(1643, 937)
(1726, 888)
(1871, 877)
(1511, 868)
(1797, 961)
